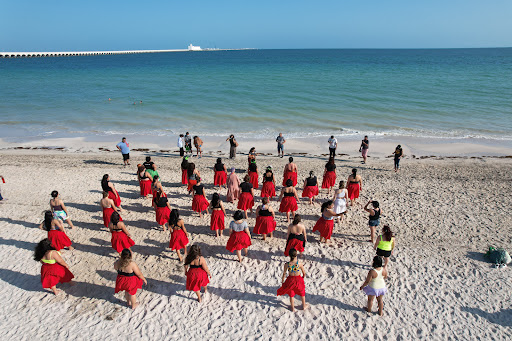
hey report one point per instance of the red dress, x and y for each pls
(217, 220)
(310, 191)
(53, 274)
(220, 178)
(162, 214)
(130, 284)
(238, 241)
(254, 180)
(290, 175)
(179, 239)
(199, 203)
(294, 285)
(288, 203)
(184, 177)
(268, 190)
(264, 225)
(329, 179)
(196, 278)
(145, 187)
(246, 201)
(353, 190)
(191, 184)
(324, 227)
(59, 239)
(115, 197)
(294, 242)
(107, 213)
(121, 241)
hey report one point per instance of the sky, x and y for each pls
(73, 25)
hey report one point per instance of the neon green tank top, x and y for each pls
(50, 261)
(384, 245)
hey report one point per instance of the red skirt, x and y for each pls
(58, 239)
(53, 274)
(290, 175)
(310, 191)
(196, 278)
(121, 241)
(116, 198)
(254, 180)
(294, 244)
(184, 177)
(217, 220)
(324, 227)
(294, 285)
(238, 241)
(288, 204)
(329, 179)
(130, 284)
(353, 190)
(107, 213)
(199, 203)
(145, 187)
(268, 190)
(220, 178)
(246, 201)
(162, 215)
(179, 240)
(191, 184)
(264, 225)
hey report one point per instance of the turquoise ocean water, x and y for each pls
(445, 93)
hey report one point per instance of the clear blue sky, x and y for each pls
(51, 25)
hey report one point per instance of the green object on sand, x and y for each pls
(498, 256)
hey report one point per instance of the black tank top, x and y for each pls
(219, 167)
(126, 274)
(252, 167)
(330, 167)
(199, 189)
(289, 194)
(162, 202)
(376, 216)
(311, 181)
(269, 178)
(265, 213)
(246, 187)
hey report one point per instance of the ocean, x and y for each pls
(428, 93)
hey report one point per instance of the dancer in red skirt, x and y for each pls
(290, 172)
(54, 269)
(156, 186)
(192, 174)
(199, 203)
(121, 239)
(184, 169)
(269, 184)
(108, 187)
(289, 199)
(56, 232)
(129, 278)
(108, 206)
(265, 220)
(296, 237)
(221, 175)
(179, 234)
(197, 272)
(253, 174)
(246, 200)
(145, 181)
(294, 284)
(310, 188)
(162, 209)
(354, 186)
(326, 223)
(218, 214)
(240, 236)
(329, 176)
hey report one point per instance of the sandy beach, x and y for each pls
(445, 212)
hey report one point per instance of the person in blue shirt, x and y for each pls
(124, 147)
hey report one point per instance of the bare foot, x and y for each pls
(381, 313)
(71, 248)
(305, 307)
(292, 308)
(135, 305)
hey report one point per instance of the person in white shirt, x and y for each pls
(180, 145)
(333, 144)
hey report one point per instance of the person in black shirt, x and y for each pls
(199, 203)
(232, 146)
(246, 200)
(148, 164)
(310, 188)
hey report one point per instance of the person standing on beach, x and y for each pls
(59, 209)
(280, 145)
(56, 232)
(181, 144)
(296, 236)
(374, 218)
(148, 164)
(329, 176)
(121, 239)
(240, 236)
(221, 174)
(233, 186)
(129, 278)
(385, 244)
(333, 144)
(268, 190)
(365, 144)
(374, 285)
(325, 224)
(179, 235)
(289, 199)
(290, 172)
(188, 143)
(265, 219)
(354, 186)
(246, 199)
(198, 143)
(397, 156)
(54, 269)
(197, 272)
(124, 147)
(232, 146)
(294, 284)
(252, 155)
(310, 188)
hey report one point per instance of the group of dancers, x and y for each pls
(129, 279)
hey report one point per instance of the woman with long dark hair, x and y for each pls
(108, 207)
(325, 224)
(108, 187)
(56, 232)
(374, 217)
(246, 200)
(199, 203)
(184, 171)
(340, 201)
(54, 269)
(145, 180)
(294, 284)
(192, 174)
(385, 244)
(354, 186)
(375, 286)
(252, 155)
(121, 238)
(218, 214)
(253, 174)
(197, 271)
(179, 234)
(156, 186)
(240, 236)
(162, 209)
(310, 188)
(296, 237)
(289, 199)
(58, 208)
(129, 278)
(329, 176)
(265, 219)
(221, 174)
(268, 190)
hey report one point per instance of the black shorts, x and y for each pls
(126, 157)
(383, 253)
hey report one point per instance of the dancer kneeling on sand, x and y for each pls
(59, 210)
(326, 222)
(265, 219)
(374, 285)
(179, 234)
(145, 180)
(290, 172)
(121, 239)
(354, 186)
(385, 244)
(108, 187)
(253, 174)
(218, 214)
(240, 236)
(199, 203)
(129, 278)
(310, 188)
(108, 206)
(296, 237)
(221, 175)
(329, 176)
(268, 190)
(233, 186)
(54, 269)
(289, 199)
(246, 201)
(197, 272)
(340, 201)
(56, 232)
(162, 210)
(294, 284)
(374, 218)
